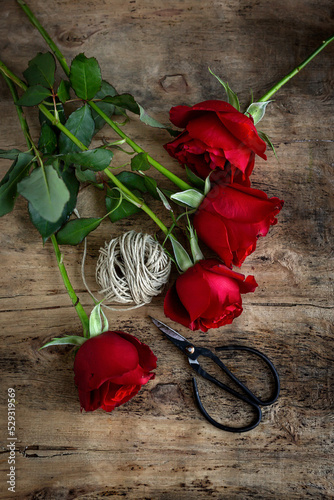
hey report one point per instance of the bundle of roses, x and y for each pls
(217, 146)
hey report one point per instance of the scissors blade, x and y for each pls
(173, 335)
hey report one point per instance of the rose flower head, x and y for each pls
(110, 369)
(207, 295)
(216, 135)
(232, 217)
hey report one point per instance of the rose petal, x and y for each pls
(244, 130)
(174, 309)
(180, 115)
(212, 231)
(210, 130)
(147, 360)
(103, 357)
(193, 291)
(119, 395)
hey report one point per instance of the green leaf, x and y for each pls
(132, 180)
(181, 256)
(33, 95)
(107, 108)
(46, 192)
(81, 124)
(47, 140)
(266, 139)
(120, 206)
(125, 101)
(257, 110)
(93, 159)
(69, 339)
(194, 179)
(85, 175)
(85, 76)
(63, 91)
(8, 185)
(41, 70)
(140, 162)
(47, 228)
(10, 154)
(232, 97)
(147, 119)
(98, 322)
(190, 197)
(76, 230)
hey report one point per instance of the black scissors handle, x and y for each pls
(270, 365)
(250, 399)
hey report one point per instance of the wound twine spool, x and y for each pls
(132, 268)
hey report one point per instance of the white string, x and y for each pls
(132, 268)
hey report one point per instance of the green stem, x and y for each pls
(172, 177)
(22, 120)
(139, 202)
(288, 77)
(7, 72)
(45, 35)
(75, 301)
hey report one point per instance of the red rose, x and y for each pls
(216, 135)
(110, 369)
(232, 217)
(207, 295)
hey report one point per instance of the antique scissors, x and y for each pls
(247, 396)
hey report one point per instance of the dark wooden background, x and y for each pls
(158, 446)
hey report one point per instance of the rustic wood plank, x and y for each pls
(158, 445)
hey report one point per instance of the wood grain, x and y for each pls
(158, 446)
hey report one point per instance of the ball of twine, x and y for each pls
(132, 268)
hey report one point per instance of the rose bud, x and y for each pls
(216, 135)
(232, 217)
(110, 369)
(207, 295)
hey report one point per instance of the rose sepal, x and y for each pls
(257, 110)
(194, 246)
(68, 339)
(182, 258)
(232, 97)
(190, 197)
(98, 322)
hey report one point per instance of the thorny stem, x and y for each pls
(45, 35)
(174, 178)
(138, 202)
(288, 77)
(78, 307)
(22, 120)
(163, 170)
(75, 300)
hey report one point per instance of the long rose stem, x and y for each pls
(55, 49)
(290, 75)
(78, 307)
(75, 300)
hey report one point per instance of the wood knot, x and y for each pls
(174, 83)
(71, 38)
(167, 394)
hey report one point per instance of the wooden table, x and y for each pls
(158, 446)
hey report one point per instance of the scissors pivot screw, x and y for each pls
(191, 349)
